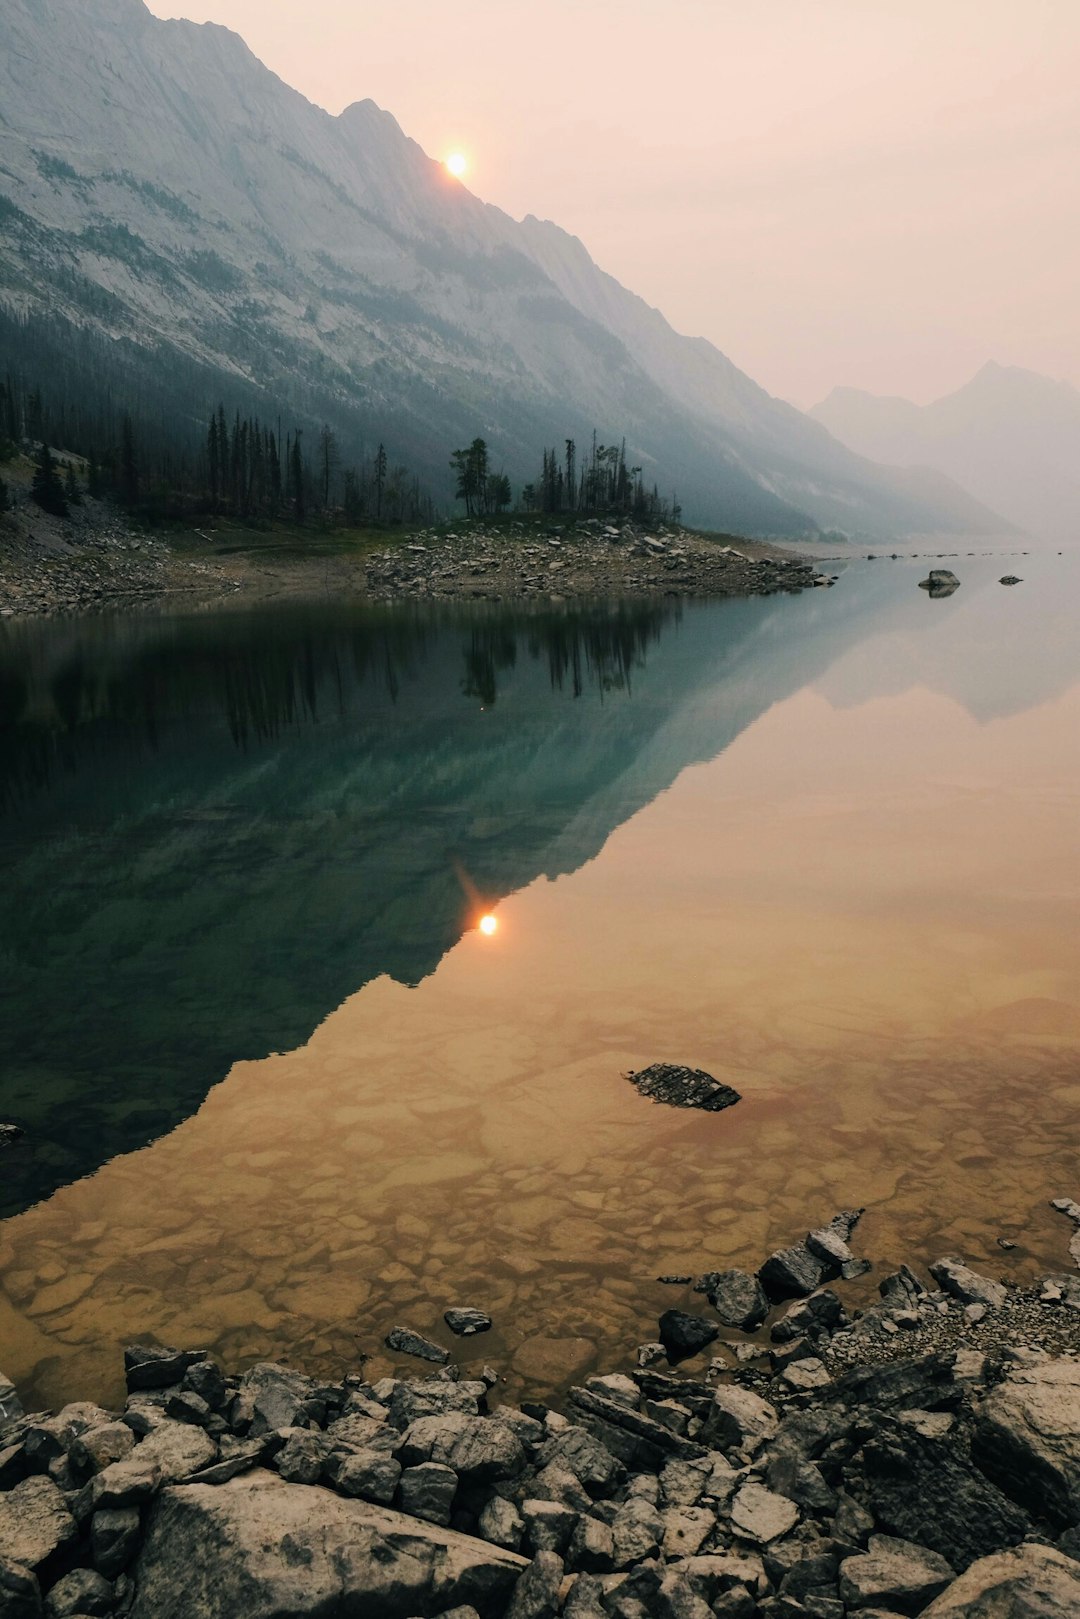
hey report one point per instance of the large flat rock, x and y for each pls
(270, 1550)
(1028, 1582)
(1027, 1439)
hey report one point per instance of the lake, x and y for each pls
(279, 1091)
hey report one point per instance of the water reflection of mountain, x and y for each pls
(216, 829)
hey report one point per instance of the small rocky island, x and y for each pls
(918, 1457)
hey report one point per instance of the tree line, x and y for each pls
(600, 483)
(244, 467)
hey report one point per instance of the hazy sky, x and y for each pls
(884, 193)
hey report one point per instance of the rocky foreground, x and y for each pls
(846, 1471)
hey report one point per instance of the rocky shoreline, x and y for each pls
(921, 1456)
(94, 561)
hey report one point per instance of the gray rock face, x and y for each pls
(921, 1489)
(738, 1299)
(536, 1595)
(427, 1491)
(637, 1531)
(176, 1449)
(263, 1549)
(501, 1523)
(683, 1087)
(1027, 1439)
(34, 1522)
(370, 1474)
(272, 1397)
(407, 1342)
(894, 1574)
(965, 1284)
(591, 1463)
(1029, 1582)
(819, 1315)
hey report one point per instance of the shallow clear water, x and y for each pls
(280, 1094)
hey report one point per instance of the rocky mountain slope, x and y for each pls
(1009, 436)
(177, 219)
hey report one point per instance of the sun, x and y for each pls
(458, 164)
(488, 924)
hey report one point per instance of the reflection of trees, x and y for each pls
(268, 673)
(597, 646)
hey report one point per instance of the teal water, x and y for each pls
(824, 845)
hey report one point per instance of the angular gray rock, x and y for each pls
(637, 1531)
(683, 1087)
(272, 1397)
(536, 1595)
(894, 1574)
(149, 1366)
(481, 1450)
(739, 1419)
(738, 1298)
(965, 1284)
(176, 1449)
(548, 1526)
(501, 1523)
(82, 1594)
(762, 1515)
(685, 1335)
(592, 1546)
(818, 1316)
(35, 1522)
(583, 1455)
(407, 1342)
(1028, 1582)
(114, 1539)
(262, 1548)
(1027, 1439)
(428, 1491)
(940, 582)
(371, 1475)
(11, 1407)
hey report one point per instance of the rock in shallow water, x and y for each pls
(684, 1335)
(466, 1321)
(411, 1343)
(738, 1299)
(683, 1087)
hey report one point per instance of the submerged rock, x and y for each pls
(683, 1087)
(407, 1342)
(466, 1321)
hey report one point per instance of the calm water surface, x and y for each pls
(281, 1095)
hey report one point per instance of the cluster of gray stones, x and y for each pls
(92, 560)
(944, 1484)
(588, 557)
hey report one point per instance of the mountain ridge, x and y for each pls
(1009, 435)
(166, 190)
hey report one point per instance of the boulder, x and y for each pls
(536, 1595)
(940, 582)
(481, 1450)
(894, 1574)
(638, 1530)
(738, 1298)
(683, 1087)
(176, 1449)
(684, 1335)
(370, 1474)
(262, 1548)
(926, 1490)
(965, 1284)
(1028, 1582)
(739, 1419)
(272, 1397)
(11, 1407)
(583, 1455)
(35, 1523)
(1027, 1439)
(428, 1491)
(501, 1523)
(794, 1272)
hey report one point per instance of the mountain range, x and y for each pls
(1010, 437)
(178, 225)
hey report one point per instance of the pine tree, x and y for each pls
(5, 499)
(299, 505)
(71, 487)
(46, 488)
(380, 477)
(129, 471)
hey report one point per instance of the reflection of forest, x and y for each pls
(270, 673)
